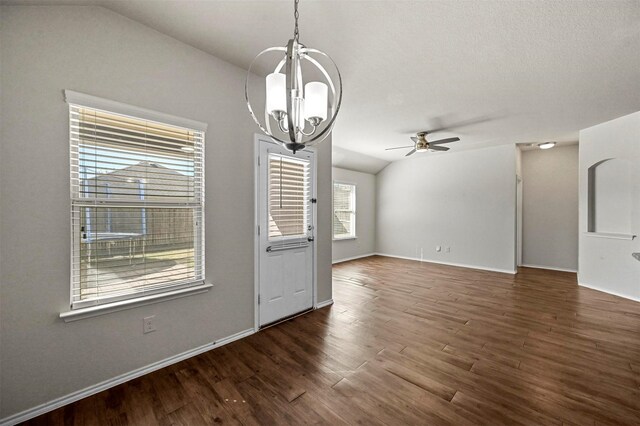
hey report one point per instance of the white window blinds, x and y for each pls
(289, 197)
(137, 194)
(344, 210)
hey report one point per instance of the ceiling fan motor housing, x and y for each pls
(422, 144)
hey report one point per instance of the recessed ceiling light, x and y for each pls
(546, 145)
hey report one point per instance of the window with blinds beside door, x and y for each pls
(137, 196)
(344, 210)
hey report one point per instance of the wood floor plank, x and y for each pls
(186, 415)
(486, 408)
(407, 343)
(203, 397)
(234, 402)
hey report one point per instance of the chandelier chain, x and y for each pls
(296, 15)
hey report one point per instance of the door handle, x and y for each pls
(311, 239)
(286, 246)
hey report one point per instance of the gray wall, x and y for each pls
(462, 200)
(605, 261)
(93, 50)
(550, 208)
(365, 242)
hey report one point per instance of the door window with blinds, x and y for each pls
(288, 197)
(344, 210)
(137, 204)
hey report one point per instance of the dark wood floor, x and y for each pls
(408, 343)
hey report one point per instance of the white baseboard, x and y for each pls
(460, 265)
(321, 305)
(91, 390)
(593, 287)
(352, 258)
(551, 268)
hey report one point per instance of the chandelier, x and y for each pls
(297, 114)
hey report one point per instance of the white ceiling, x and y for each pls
(500, 72)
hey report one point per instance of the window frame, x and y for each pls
(353, 235)
(80, 309)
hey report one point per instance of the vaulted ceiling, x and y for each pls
(496, 72)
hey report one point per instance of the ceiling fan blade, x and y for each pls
(399, 147)
(438, 148)
(410, 152)
(441, 141)
(413, 138)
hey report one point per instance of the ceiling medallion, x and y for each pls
(296, 114)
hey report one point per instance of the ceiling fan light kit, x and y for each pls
(297, 113)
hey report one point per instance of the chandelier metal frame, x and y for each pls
(290, 122)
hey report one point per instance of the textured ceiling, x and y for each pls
(498, 72)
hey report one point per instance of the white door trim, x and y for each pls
(257, 140)
(519, 218)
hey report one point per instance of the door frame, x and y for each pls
(519, 221)
(259, 139)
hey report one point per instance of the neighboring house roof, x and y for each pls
(142, 170)
(158, 180)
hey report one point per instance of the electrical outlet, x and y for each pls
(448, 250)
(438, 249)
(148, 324)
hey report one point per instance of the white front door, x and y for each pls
(286, 248)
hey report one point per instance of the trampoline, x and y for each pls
(112, 237)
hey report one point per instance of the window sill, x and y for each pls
(107, 308)
(345, 238)
(611, 236)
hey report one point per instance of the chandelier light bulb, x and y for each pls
(276, 93)
(316, 95)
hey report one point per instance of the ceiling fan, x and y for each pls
(422, 145)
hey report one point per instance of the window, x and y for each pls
(344, 210)
(289, 193)
(137, 197)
